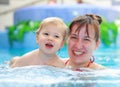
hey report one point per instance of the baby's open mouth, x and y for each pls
(49, 45)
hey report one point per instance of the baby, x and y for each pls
(50, 37)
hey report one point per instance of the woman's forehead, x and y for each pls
(84, 30)
(86, 27)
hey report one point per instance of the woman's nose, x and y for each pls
(78, 44)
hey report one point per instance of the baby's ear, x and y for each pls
(62, 44)
(37, 39)
(67, 40)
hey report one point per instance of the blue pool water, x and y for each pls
(47, 76)
(109, 57)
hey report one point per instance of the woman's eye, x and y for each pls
(73, 37)
(86, 39)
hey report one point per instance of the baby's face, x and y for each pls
(51, 38)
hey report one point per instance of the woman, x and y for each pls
(83, 40)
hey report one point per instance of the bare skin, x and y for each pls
(33, 58)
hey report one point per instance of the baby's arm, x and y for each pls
(13, 60)
(18, 62)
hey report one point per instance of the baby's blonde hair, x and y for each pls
(54, 20)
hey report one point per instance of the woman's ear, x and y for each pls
(97, 44)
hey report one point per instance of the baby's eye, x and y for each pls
(56, 36)
(46, 34)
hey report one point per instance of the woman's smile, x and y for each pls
(77, 53)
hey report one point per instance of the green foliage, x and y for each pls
(109, 32)
(17, 32)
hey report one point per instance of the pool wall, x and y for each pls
(28, 42)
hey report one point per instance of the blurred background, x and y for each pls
(7, 7)
(19, 17)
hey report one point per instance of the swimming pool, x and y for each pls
(47, 76)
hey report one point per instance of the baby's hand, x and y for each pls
(13, 60)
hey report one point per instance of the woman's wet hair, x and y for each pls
(85, 20)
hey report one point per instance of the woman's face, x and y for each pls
(80, 45)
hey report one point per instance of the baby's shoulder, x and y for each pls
(24, 60)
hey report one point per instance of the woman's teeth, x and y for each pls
(77, 52)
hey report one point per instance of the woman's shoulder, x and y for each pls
(98, 66)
